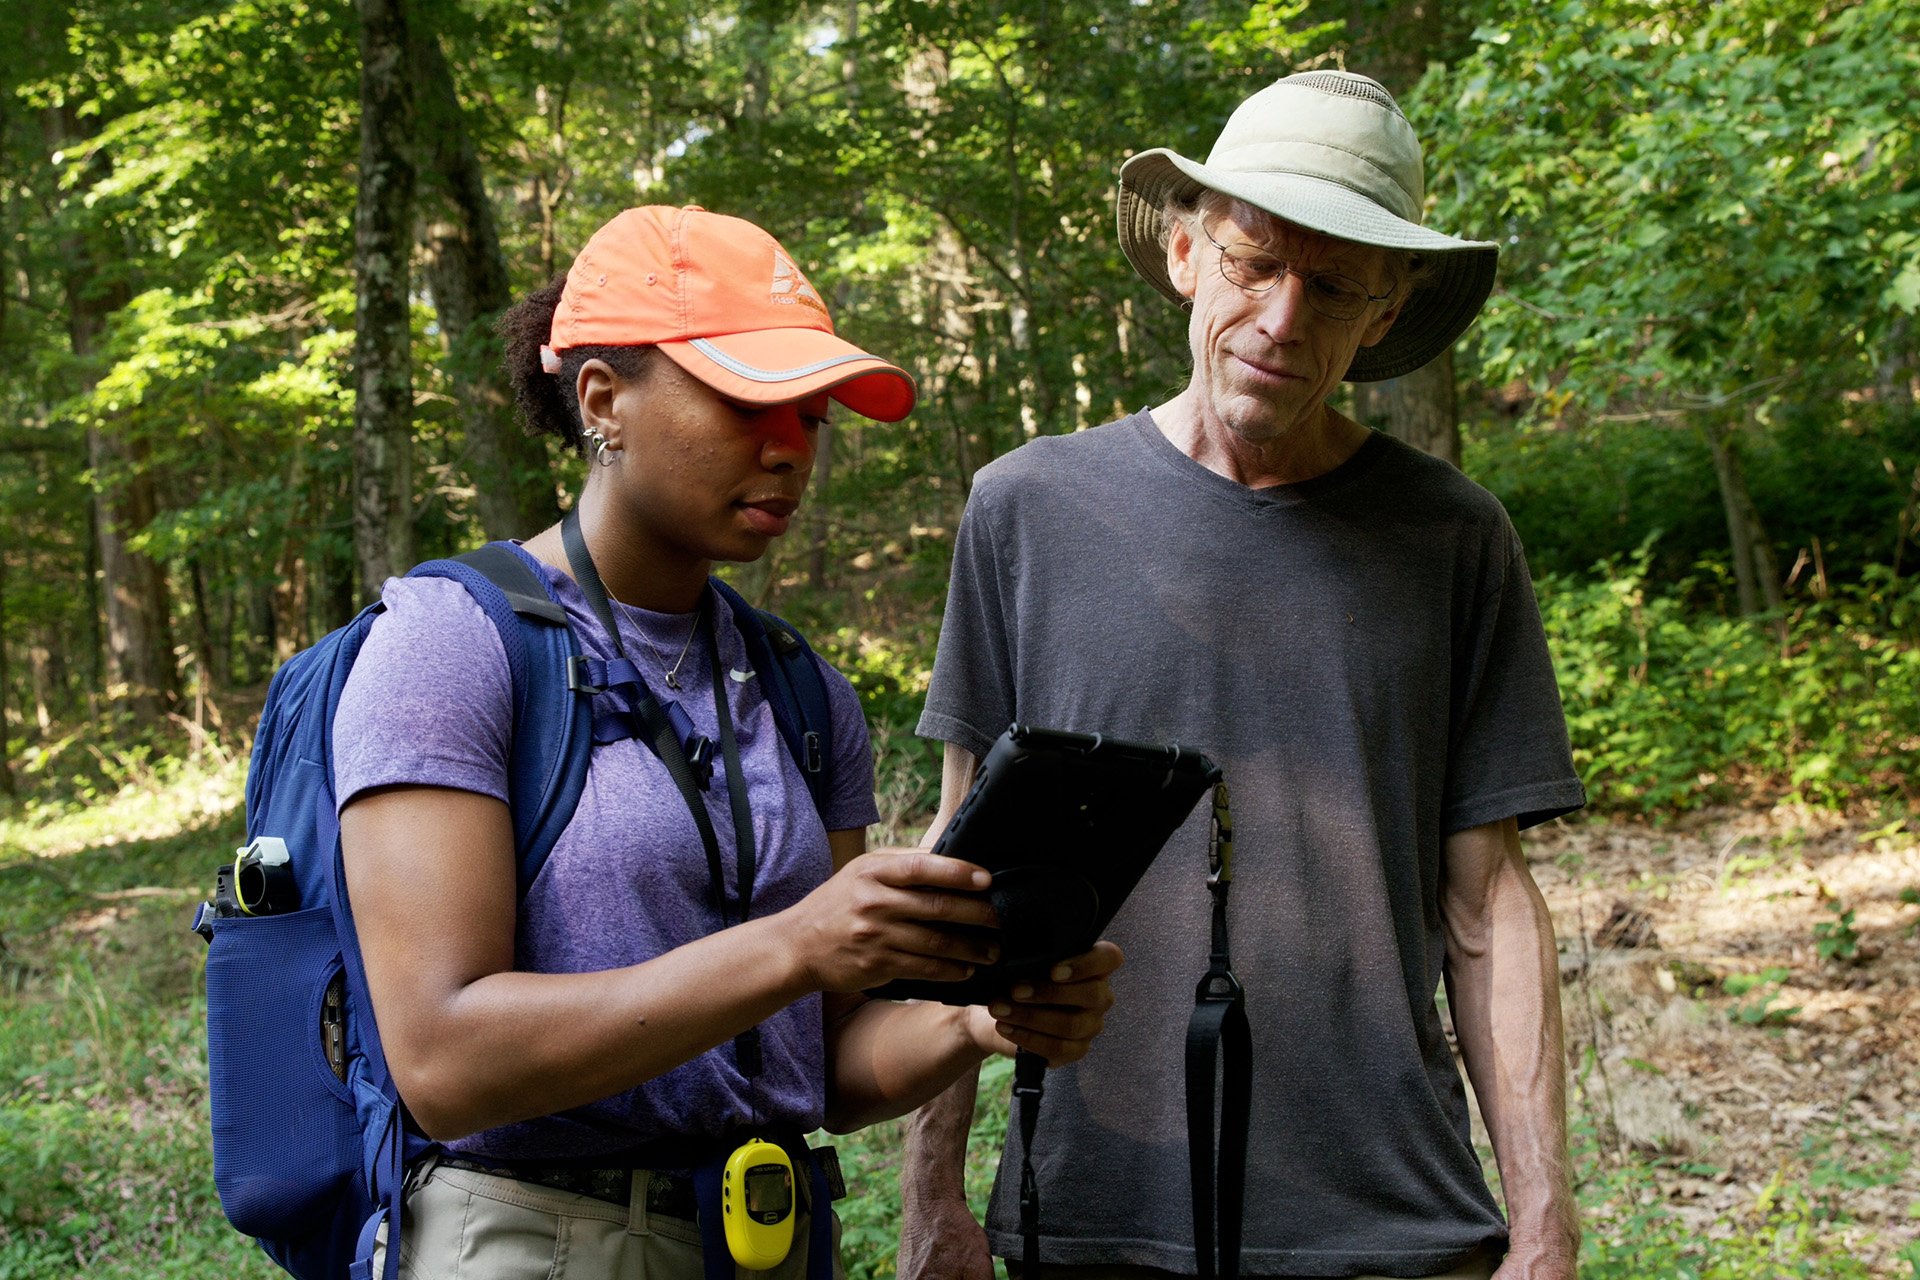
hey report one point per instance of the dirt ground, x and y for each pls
(1708, 1028)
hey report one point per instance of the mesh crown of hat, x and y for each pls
(1348, 85)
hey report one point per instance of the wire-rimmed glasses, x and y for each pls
(1256, 270)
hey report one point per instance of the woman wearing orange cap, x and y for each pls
(676, 979)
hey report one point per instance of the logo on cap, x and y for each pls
(789, 286)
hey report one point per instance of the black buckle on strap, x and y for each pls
(1219, 986)
(699, 749)
(577, 678)
(1029, 1085)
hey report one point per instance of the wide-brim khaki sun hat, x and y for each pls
(1329, 151)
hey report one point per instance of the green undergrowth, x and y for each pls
(1670, 707)
(1785, 1229)
(891, 677)
(103, 1117)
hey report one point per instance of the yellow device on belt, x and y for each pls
(756, 1204)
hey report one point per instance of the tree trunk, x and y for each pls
(260, 611)
(1393, 41)
(1421, 408)
(96, 649)
(139, 644)
(819, 524)
(1896, 368)
(757, 36)
(139, 648)
(382, 243)
(212, 662)
(961, 385)
(6, 685)
(1756, 570)
(44, 683)
(820, 527)
(467, 276)
(291, 607)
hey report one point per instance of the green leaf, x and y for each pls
(1904, 292)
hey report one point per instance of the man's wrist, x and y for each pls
(1558, 1236)
(932, 1192)
(929, 1178)
(933, 1167)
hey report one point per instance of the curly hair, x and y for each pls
(549, 402)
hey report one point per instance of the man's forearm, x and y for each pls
(1519, 1075)
(936, 1156)
(1503, 982)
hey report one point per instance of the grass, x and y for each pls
(103, 1114)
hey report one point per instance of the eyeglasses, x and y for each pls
(1252, 268)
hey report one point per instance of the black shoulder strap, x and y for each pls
(1219, 1038)
(1219, 1041)
(668, 743)
(657, 730)
(795, 692)
(1029, 1084)
(516, 580)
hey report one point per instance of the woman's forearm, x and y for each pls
(886, 1058)
(511, 1046)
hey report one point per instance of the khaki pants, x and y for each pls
(464, 1225)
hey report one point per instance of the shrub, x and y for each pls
(891, 678)
(1670, 709)
(1631, 1235)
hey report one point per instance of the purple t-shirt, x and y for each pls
(430, 703)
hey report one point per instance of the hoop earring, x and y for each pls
(604, 452)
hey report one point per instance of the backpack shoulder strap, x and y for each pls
(790, 677)
(552, 726)
(512, 570)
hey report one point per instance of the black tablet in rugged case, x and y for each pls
(1067, 823)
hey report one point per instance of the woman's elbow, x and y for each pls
(438, 1096)
(848, 1110)
(840, 1118)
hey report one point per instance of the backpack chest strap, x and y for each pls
(621, 710)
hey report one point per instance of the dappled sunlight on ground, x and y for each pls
(198, 791)
(1724, 1012)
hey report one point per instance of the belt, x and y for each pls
(666, 1193)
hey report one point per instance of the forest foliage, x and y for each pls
(1694, 388)
(1711, 265)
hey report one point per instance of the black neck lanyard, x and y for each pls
(1219, 1038)
(679, 748)
(1219, 1045)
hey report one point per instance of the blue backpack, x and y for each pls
(311, 1142)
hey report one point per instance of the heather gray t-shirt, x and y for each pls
(1363, 656)
(430, 703)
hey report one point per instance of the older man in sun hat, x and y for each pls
(1347, 627)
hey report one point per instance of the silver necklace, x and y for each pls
(659, 654)
(673, 672)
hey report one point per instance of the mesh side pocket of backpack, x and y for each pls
(286, 1142)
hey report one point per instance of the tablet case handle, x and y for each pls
(1044, 912)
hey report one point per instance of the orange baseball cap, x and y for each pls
(726, 303)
